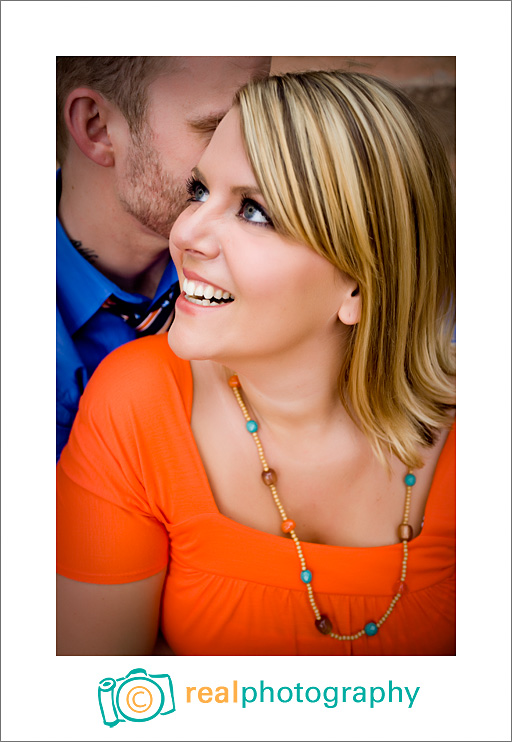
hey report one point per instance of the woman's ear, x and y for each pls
(350, 310)
(86, 113)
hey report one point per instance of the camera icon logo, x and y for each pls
(136, 697)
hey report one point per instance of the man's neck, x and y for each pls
(113, 241)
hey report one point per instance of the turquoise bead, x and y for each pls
(410, 479)
(252, 426)
(306, 576)
(371, 629)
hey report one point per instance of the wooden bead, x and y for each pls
(269, 477)
(287, 526)
(405, 532)
(234, 382)
(323, 625)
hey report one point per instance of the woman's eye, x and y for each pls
(252, 212)
(197, 191)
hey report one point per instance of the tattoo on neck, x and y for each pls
(85, 252)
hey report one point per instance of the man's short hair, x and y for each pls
(123, 81)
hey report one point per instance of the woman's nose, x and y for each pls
(195, 232)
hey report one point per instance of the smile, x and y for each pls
(205, 294)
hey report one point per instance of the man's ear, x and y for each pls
(350, 310)
(86, 113)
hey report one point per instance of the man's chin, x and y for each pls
(150, 224)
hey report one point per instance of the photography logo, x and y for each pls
(137, 697)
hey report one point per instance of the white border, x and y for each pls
(461, 698)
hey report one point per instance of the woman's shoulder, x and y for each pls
(143, 352)
(148, 357)
(137, 399)
(140, 370)
(447, 457)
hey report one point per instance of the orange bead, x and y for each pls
(287, 526)
(400, 587)
(234, 381)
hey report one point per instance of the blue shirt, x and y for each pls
(85, 332)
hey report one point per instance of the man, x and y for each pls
(129, 130)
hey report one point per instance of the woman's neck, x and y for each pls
(296, 392)
(291, 401)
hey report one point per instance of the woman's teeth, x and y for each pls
(204, 294)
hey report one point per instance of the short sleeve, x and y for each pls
(108, 530)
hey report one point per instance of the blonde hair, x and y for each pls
(349, 166)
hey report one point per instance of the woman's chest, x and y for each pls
(348, 499)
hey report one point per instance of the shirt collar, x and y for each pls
(82, 289)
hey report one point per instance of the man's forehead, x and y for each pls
(199, 91)
(217, 72)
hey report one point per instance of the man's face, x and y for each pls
(184, 109)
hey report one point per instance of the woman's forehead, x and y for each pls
(226, 155)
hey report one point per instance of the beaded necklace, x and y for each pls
(405, 533)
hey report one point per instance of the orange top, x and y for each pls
(133, 499)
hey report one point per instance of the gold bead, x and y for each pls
(405, 532)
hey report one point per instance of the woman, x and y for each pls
(281, 479)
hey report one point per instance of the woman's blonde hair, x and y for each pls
(349, 166)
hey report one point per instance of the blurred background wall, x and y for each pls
(430, 82)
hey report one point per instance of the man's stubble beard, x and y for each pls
(147, 192)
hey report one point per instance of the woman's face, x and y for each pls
(247, 291)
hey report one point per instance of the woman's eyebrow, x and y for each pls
(249, 190)
(198, 175)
